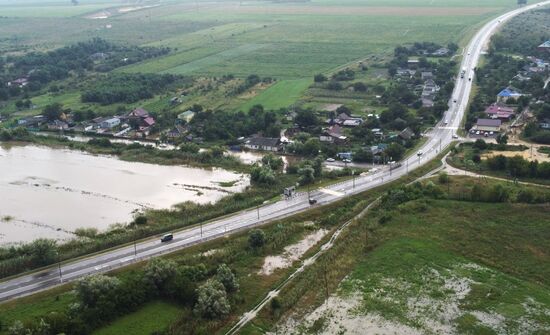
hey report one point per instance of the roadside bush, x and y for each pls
(225, 276)
(256, 238)
(159, 272)
(43, 251)
(212, 302)
(443, 178)
(97, 295)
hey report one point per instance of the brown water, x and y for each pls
(49, 193)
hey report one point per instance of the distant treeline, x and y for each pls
(41, 68)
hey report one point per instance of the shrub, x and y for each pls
(225, 276)
(212, 302)
(443, 178)
(256, 239)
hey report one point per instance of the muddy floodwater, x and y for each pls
(47, 192)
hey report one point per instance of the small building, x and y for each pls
(32, 121)
(138, 113)
(99, 56)
(186, 116)
(544, 46)
(20, 82)
(508, 93)
(499, 111)
(345, 155)
(263, 144)
(441, 52)
(352, 123)
(58, 125)
(545, 124)
(176, 132)
(426, 75)
(333, 135)
(488, 125)
(405, 72)
(148, 121)
(406, 134)
(109, 123)
(427, 102)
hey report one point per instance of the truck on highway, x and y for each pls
(463, 72)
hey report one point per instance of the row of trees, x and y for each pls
(519, 167)
(128, 88)
(100, 298)
(222, 125)
(42, 68)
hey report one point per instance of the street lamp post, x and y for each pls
(353, 175)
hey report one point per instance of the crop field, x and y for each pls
(298, 44)
(280, 95)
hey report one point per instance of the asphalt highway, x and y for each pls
(438, 139)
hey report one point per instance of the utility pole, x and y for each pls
(258, 210)
(201, 229)
(353, 175)
(59, 268)
(135, 245)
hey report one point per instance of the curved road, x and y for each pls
(439, 138)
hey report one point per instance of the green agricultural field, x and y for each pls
(151, 318)
(283, 94)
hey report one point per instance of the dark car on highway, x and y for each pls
(167, 238)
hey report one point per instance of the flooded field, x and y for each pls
(49, 193)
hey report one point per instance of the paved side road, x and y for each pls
(439, 138)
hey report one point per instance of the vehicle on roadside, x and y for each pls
(167, 238)
(477, 132)
(330, 160)
(312, 201)
(346, 160)
(419, 153)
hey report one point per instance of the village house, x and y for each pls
(545, 124)
(488, 125)
(405, 73)
(333, 134)
(109, 123)
(176, 132)
(500, 111)
(349, 121)
(544, 46)
(58, 125)
(186, 116)
(20, 82)
(426, 75)
(406, 134)
(263, 144)
(441, 52)
(508, 93)
(32, 121)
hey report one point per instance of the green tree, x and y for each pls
(274, 162)
(363, 156)
(256, 238)
(307, 175)
(53, 112)
(98, 294)
(395, 151)
(311, 147)
(225, 276)
(319, 78)
(159, 272)
(43, 251)
(443, 178)
(212, 302)
(502, 139)
(480, 144)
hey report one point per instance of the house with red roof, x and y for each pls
(500, 111)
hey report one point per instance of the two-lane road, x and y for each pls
(439, 138)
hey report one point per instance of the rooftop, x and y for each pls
(489, 122)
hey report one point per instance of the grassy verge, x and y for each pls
(145, 321)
